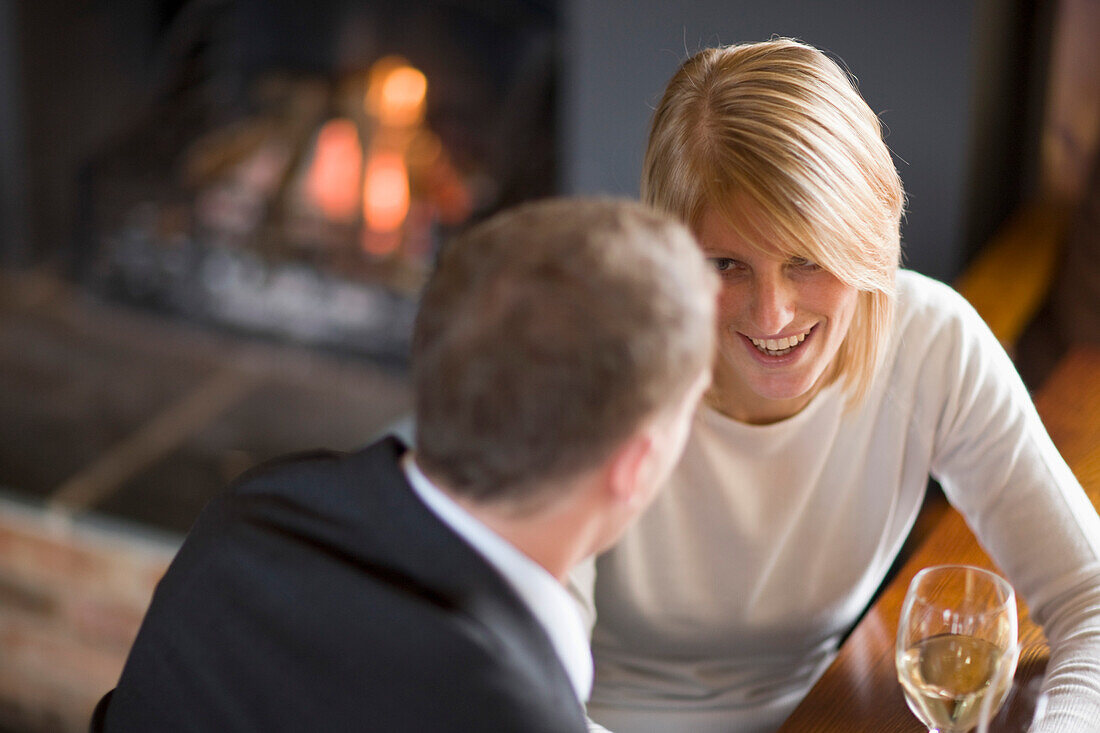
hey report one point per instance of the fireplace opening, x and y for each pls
(303, 163)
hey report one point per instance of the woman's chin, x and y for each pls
(744, 387)
(785, 389)
(780, 394)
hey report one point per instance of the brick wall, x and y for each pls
(72, 595)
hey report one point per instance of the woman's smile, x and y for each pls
(778, 346)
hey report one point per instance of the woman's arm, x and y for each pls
(1000, 469)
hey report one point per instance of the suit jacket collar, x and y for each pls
(396, 526)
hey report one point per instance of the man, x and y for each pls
(557, 357)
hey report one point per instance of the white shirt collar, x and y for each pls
(543, 594)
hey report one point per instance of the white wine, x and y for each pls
(953, 678)
(946, 677)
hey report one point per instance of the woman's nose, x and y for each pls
(773, 305)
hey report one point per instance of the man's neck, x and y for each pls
(552, 537)
(557, 534)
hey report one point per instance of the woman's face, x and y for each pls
(780, 324)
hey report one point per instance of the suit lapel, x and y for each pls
(397, 525)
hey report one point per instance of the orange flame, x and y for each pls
(332, 182)
(385, 192)
(396, 92)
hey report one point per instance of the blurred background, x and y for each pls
(215, 216)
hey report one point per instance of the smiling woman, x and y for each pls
(840, 385)
(782, 320)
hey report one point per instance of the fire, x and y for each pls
(333, 177)
(370, 179)
(385, 192)
(395, 98)
(396, 93)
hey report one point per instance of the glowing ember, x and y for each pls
(333, 180)
(385, 192)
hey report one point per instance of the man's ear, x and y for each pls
(628, 467)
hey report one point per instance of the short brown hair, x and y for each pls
(778, 126)
(548, 334)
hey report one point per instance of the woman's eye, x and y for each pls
(804, 264)
(723, 264)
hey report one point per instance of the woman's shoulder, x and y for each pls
(926, 296)
(937, 334)
(930, 309)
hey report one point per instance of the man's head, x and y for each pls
(551, 334)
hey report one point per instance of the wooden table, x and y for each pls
(860, 691)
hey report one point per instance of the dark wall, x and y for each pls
(1012, 43)
(13, 223)
(79, 81)
(914, 61)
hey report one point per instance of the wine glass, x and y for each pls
(1024, 707)
(956, 648)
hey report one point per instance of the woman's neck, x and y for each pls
(738, 402)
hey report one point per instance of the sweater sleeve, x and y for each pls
(998, 467)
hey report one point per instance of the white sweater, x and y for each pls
(724, 604)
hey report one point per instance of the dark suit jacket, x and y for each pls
(320, 594)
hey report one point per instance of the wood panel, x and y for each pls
(1009, 280)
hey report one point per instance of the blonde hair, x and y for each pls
(548, 334)
(778, 128)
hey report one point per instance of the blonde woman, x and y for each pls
(840, 385)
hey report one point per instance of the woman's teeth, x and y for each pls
(778, 347)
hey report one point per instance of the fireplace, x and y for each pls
(303, 163)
